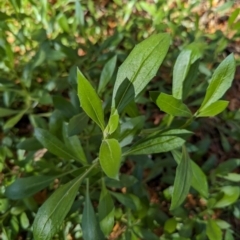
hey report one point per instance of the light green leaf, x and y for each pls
(170, 225)
(155, 145)
(110, 157)
(141, 65)
(112, 123)
(107, 73)
(106, 211)
(24, 220)
(213, 109)
(182, 180)
(90, 102)
(234, 177)
(173, 106)
(220, 82)
(90, 225)
(4, 112)
(79, 13)
(26, 187)
(53, 144)
(199, 179)
(180, 72)
(231, 195)
(51, 214)
(213, 230)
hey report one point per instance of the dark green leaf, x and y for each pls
(26, 187)
(14, 120)
(6, 112)
(110, 157)
(77, 124)
(90, 102)
(107, 73)
(51, 214)
(182, 180)
(141, 65)
(90, 225)
(173, 106)
(199, 179)
(220, 81)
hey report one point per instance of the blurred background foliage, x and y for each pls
(42, 43)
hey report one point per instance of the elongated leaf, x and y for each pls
(173, 106)
(90, 102)
(231, 194)
(107, 73)
(110, 157)
(26, 187)
(155, 145)
(182, 180)
(52, 144)
(77, 124)
(79, 13)
(220, 81)
(199, 179)
(180, 72)
(213, 109)
(213, 230)
(90, 225)
(7, 112)
(106, 211)
(142, 64)
(14, 120)
(51, 214)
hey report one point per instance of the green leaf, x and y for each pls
(141, 65)
(231, 195)
(79, 13)
(90, 225)
(182, 180)
(51, 214)
(170, 225)
(173, 106)
(220, 81)
(64, 106)
(213, 230)
(112, 123)
(90, 102)
(155, 145)
(180, 72)
(77, 124)
(26, 187)
(106, 211)
(53, 144)
(199, 179)
(213, 109)
(110, 157)
(234, 177)
(4, 112)
(107, 73)
(14, 120)
(24, 220)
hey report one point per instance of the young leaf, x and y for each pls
(220, 81)
(199, 179)
(182, 180)
(173, 106)
(107, 73)
(51, 214)
(155, 145)
(90, 102)
(26, 187)
(53, 144)
(180, 72)
(90, 225)
(110, 157)
(142, 64)
(112, 123)
(213, 230)
(213, 109)
(106, 211)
